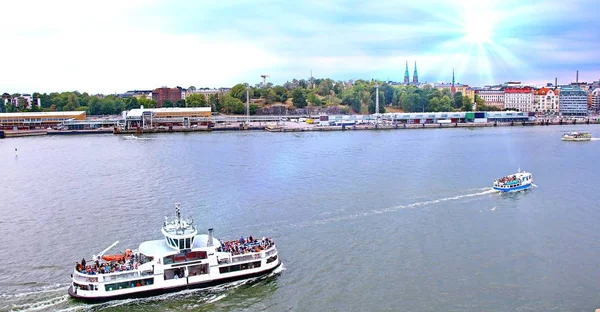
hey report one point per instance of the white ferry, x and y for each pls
(577, 136)
(182, 260)
(521, 180)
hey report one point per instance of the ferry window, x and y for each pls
(179, 258)
(168, 260)
(187, 243)
(181, 246)
(192, 256)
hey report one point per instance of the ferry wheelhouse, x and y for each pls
(521, 180)
(577, 136)
(183, 259)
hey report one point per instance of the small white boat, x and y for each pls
(181, 260)
(577, 136)
(130, 137)
(521, 180)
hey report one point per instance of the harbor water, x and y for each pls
(363, 220)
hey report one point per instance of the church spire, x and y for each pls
(415, 75)
(453, 89)
(406, 81)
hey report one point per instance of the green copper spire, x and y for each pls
(406, 79)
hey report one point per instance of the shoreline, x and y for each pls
(290, 127)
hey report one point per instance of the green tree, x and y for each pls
(180, 103)
(72, 102)
(467, 106)
(270, 97)
(298, 98)
(146, 102)
(130, 103)
(168, 103)
(196, 100)
(253, 109)
(94, 106)
(372, 107)
(232, 104)
(435, 105)
(338, 87)
(324, 87)
(21, 104)
(214, 102)
(239, 92)
(458, 100)
(446, 104)
(313, 99)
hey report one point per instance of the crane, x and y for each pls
(264, 77)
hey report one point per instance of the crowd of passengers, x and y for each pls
(508, 179)
(126, 263)
(246, 245)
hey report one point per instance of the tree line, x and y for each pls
(356, 96)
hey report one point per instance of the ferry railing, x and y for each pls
(245, 257)
(110, 277)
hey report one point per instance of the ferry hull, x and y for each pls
(513, 189)
(576, 139)
(160, 291)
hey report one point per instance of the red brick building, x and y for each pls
(160, 95)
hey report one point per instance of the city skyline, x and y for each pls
(116, 46)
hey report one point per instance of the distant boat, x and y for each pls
(521, 180)
(130, 137)
(577, 136)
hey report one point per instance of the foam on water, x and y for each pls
(40, 305)
(482, 192)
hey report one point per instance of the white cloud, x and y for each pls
(73, 45)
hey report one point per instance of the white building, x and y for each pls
(27, 97)
(546, 101)
(205, 92)
(573, 101)
(520, 99)
(492, 97)
(596, 100)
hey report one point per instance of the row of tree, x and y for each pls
(358, 96)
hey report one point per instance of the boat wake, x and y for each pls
(595, 139)
(39, 305)
(482, 192)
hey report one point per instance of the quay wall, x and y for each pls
(291, 127)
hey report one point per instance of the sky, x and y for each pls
(113, 46)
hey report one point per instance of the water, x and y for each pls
(364, 221)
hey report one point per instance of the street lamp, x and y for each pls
(377, 103)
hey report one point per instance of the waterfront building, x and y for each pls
(165, 116)
(456, 117)
(573, 101)
(520, 99)
(30, 100)
(30, 120)
(163, 94)
(137, 94)
(596, 100)
(492, 97)
(206, 92)
(546, 101)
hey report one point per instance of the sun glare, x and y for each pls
(478, 32)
